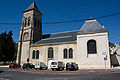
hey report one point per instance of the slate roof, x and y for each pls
(32, 7)
(67, 37)
(91, 26)
(55, 38)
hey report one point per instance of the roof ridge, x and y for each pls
(57, 37)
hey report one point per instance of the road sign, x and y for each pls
(104, 53)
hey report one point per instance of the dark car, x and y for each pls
(14, 65)
(71, 66)
(28, 66)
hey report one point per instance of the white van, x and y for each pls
(57, 65)
(40, 65)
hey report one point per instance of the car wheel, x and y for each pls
(46, 68)
(35, 68)
(66, 69)
(40, 68)
(52, 69)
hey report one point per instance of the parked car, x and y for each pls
(40, 65)
(14, 65)
(28, 66)
(57, 65)
(71, 66)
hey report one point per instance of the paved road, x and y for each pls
(16, 75)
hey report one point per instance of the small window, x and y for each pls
(70, 53)
(50, 52)
(65, 53)
(91, 47)
(25, 22)
(29, 19)
(37, 54)
(33, 55)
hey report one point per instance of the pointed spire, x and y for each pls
(32, 7)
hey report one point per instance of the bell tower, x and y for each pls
(30, 32)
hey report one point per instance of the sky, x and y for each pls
(11, 11)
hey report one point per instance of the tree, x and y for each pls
(7, 47)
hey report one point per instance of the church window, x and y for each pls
(65, 53)
(50, 52)
(29, 21)
(91, 47)
(26, 36)
(70, 53)
(33, 55)
(37, 54)
(25, 22)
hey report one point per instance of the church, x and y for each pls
(84, 47)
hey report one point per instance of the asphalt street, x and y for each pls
(17, 75)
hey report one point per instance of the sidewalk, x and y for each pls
(4, 66)
(118, 67)
(81, 71)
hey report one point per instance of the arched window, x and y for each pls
(37, 54)
(26, 36)
(65, 53)
(29, 21)
(91, 47)
(25, 22)
(70, 53)
(50, 52)
(33, 54)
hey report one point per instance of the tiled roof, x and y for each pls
(55, 38)
(91, 26)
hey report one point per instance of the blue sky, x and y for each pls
(62, 10)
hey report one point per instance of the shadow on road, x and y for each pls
(1, 71)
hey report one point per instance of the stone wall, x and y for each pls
(57, 50)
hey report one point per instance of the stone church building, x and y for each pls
(85, 46)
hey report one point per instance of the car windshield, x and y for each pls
(35, 63)
(54, 63)
(69, 64)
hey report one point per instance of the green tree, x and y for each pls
(7, 47)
